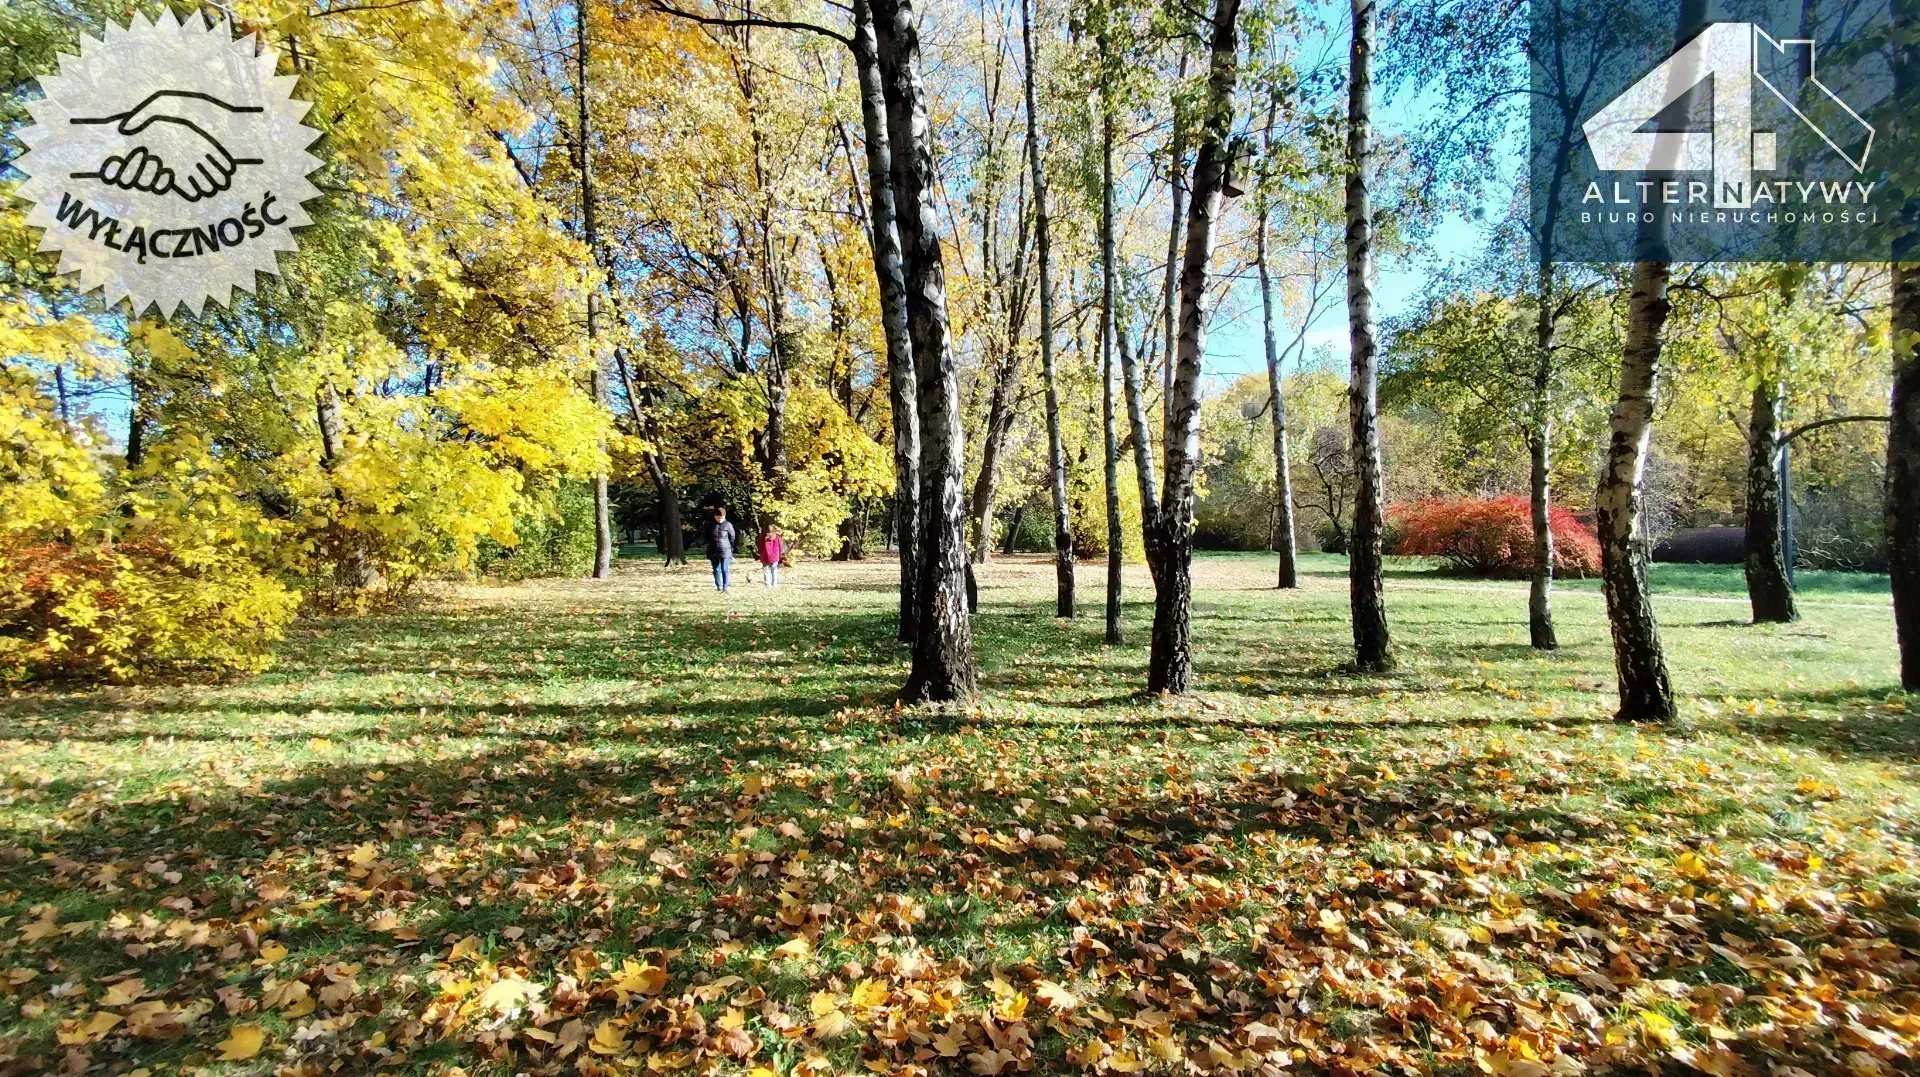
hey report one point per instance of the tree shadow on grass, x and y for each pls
(1862, 734)
(536, 817)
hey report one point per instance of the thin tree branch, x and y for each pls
(775, 24)
(1834, 421)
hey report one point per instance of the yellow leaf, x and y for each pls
(1690, 865)
(271, 952)
(608, 1039)
(102, 1023)
(868, 994)
(1055, 997)
(508, 995)
(242, 1043)
(638, 978)
(1658, 1028)
(123, 993)
(794, 948)
(467, 947)
(1088, 1053)
(363, 854)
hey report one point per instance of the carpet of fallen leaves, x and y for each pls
(631, 829)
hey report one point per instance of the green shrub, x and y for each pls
(555, 540)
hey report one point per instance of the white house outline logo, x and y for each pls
(1729, 53)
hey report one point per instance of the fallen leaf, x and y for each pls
(242, 1043)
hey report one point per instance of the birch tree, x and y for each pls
(1170, 548)
(1372, 645)
(943, 664)
(1043, 241)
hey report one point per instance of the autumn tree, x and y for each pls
(1043, 248)
(1903, 433)
(1371, 643)
(943, 666)
(1170, 544)
(1475, 354)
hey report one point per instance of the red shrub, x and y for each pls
(1492, 536)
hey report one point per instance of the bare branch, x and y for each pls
(1809, 428)
(774, 24)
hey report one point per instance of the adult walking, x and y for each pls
(720, 539)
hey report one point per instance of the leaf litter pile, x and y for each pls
(501, 865)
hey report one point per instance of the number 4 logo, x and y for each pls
(1728, 53)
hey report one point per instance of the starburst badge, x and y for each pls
(167, 164)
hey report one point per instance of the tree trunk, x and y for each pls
(602, 503)
(775, 370)
(352, 571)
(1903, 472)
(853, 534)
(1372, 647)
(136, 419)
(775, 374)
(1006, 388)
(1169, 285)
(1142, 436)
(943, 666)
(1056, 448)
(1170, 661)
(1116, 543)
(1639, 660)
(1540, 630)
(1769, 589)
(672, 543)
(596, 378)
(889, 268)
(1646, 694)
(1284, 543)
(1013, 530)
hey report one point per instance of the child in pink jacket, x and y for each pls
(772, 548)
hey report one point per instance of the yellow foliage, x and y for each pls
(47, 475)
(167, 576)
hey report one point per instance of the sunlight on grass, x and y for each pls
(566, 826)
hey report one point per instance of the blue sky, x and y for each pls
(1234, 343)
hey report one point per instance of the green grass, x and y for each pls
(1451, 865)
(1728, 581)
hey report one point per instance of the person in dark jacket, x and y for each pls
(720, 539)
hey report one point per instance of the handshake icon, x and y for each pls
(168, 147)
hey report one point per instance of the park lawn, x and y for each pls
(635, 826)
